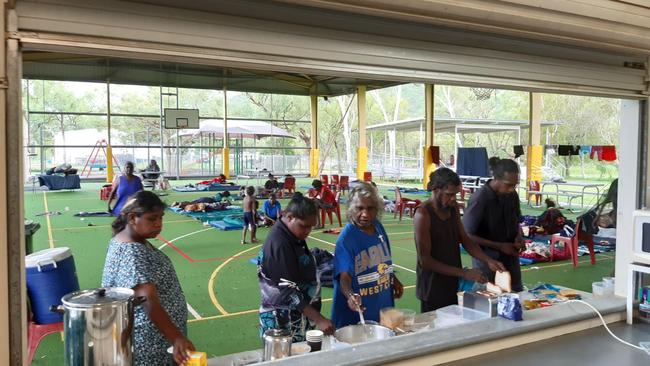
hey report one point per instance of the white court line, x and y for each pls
(193, 311)
(334, 245)
(184, 236)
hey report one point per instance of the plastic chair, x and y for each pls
(534, 190)
(289, 185)
(334, 185)
(344, 183)
(105, 192)
(401, 203)
(336, 209)
(36, 333)
(367, 177)
(324, 179)
(571, 244)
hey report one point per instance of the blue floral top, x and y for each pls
(130, 264)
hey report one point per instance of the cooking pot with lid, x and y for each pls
(98, 326)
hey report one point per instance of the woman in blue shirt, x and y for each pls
(272, 210)
(363, 268)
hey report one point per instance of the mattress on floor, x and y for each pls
(222, 225)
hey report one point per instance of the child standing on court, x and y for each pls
(249, 215)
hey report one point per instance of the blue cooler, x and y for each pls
(50, 275)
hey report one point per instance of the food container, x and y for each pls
(98, 326)
(602, 289)
(453, 315)
(396, 319)
(300, 349)
(355, 334)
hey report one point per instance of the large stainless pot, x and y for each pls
(359, 333)
(98, 327)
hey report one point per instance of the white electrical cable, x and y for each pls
(605, 325)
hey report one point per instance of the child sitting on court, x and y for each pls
(249, 215)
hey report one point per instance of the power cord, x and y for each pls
(605, 325)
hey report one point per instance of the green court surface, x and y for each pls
(215, 270)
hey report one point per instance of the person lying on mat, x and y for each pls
(286, 270)
(363, 266)
(133, 262)
(124, 186)
(272, 210)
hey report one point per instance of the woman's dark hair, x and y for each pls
(443, 177)
(138, 203)
(316, 184)
(504, 166)
(302, 207)
(225, 194)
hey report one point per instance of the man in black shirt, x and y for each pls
(492, 220)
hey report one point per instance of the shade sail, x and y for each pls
(238, 128)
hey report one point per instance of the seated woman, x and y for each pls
(272, 210)
(324, 197)
(149, 171)
(550, 221)
(271, 185)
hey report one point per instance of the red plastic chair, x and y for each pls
(105, 192)
(534, 190)
(367, 176)
(36, 333)
(336, 209)
(334, 184)
(401, 203)
(324, 179)
(344, 184)
(289, 185)
(571, 244)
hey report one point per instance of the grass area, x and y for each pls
(219, 280)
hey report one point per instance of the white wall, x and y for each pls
(628, 188)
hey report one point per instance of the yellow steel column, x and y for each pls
(225, 152)
(362, 151)
(534, 155)
(427, 165)
(313, 152)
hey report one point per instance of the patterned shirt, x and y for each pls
(130, 264)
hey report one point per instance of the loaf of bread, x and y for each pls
(494, 289)
(503, 280)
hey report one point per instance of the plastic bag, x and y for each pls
(509, 307)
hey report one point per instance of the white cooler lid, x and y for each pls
(45, 256)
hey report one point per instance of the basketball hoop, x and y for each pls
(482, 93)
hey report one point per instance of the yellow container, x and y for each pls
(197, 359)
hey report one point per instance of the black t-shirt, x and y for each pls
(284, 257)
(493, 216)
(271, 184)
